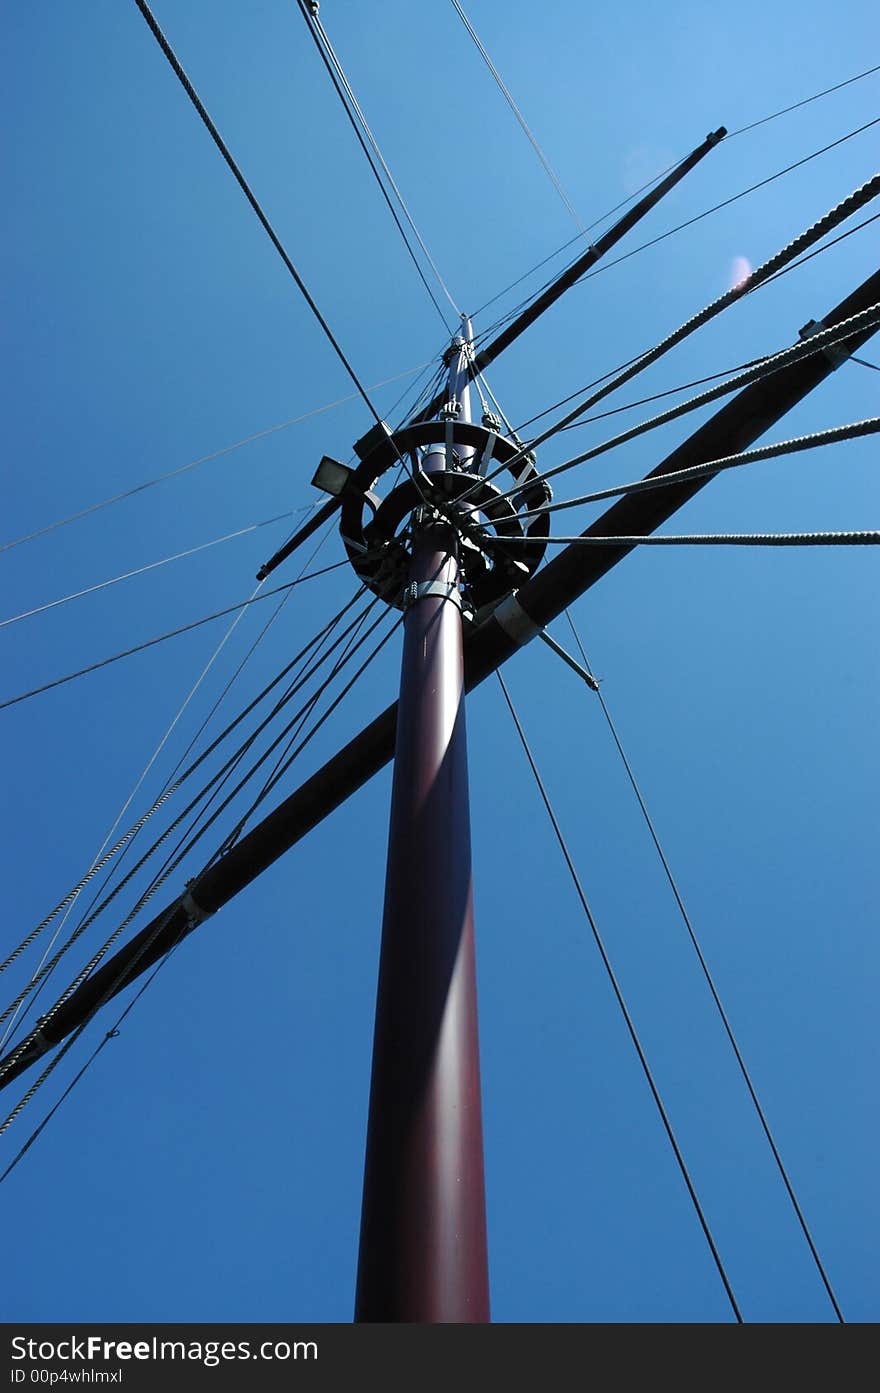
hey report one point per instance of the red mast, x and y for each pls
(423, 1229)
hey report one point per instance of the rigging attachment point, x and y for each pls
(374, 530)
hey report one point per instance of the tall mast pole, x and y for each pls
(423, 1255)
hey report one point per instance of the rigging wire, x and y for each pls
(129, 839)
(689, 222)
(355, 115)
(252, 200)
(864, 363)
(728, 1028)
(170, 866)
(597, 938)
(111, 1034)
(172, 633)
(97, 862)
(663, 172)
(150, 566)
(780, 261)
(221, 145)
(804, 102)
(529, 134)
(206, 459)
(630, 198)
(282, 763)
(177, 855)
(725, 539)
(817, 342)
(835, 435)
(322, 541)
(216, 781)
(643, 360)
(72, 1039)
(168, 791)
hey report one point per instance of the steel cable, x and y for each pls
(171, 633)
(174, 860)
(355, 115)
(728, 1028)
(663, 172)
(818, 342)
(835, 435)
(166, 793)
(141, 570)
(630, 1025)
(680, 227)
(523, 124)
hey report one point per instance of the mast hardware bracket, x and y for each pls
(419, 590)
(195, 915)
(374, 438)
(835, 353)
(473, 505)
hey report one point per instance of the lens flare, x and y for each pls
(740, 270)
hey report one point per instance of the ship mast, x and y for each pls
(439, 548)
(423, 1254)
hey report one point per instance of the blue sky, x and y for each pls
(209, 1165)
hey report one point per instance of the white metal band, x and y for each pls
(515, 621)
(445, 589)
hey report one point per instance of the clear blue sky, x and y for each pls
(209, 1165)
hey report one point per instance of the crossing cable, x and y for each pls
(161, 877)
(150, 566)
(72, 1039)
(308, 709)
(864, 363)
(206, 459)
(639, 401)
(835, 435)
(689, 222)
(804, 102)
(281, 770)
(172, 633)
(818, 342)
(252, 200)
(597, 938)
(174, 859)
(264, 221)
(166, 871)
(295, 726)
(41, 976)
(355, 115)
(529, 134)
(762, 275)
(630, 197)
(748, 289)
(728, 1028)
(285, 758)
(126, 842)
(714, 539)
(166, 793)
(216, 782)
(769, 363)
(323, 539)
(111, 1034)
